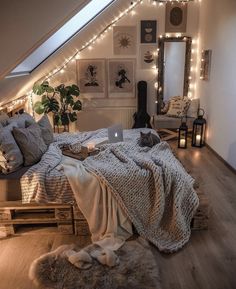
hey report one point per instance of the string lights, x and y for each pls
(90, 45)
(193, 63)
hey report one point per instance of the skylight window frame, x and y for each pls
(27, 72)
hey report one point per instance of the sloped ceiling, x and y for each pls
(25, 24)
(15, 87)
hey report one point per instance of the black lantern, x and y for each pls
(183, 135)
(199, 128)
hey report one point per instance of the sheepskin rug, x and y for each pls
(137, 269)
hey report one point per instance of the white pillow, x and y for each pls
(11, 157)
(178, 106)
(193, 108)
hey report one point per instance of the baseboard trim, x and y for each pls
(233, 170)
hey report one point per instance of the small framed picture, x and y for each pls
(205, 64)
(148, 31)
(92, 77)
(124, 40)
(121, 81)
(148, 56)
(176, 17)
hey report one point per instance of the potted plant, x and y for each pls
(61, 101)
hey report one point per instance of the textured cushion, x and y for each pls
(165, 109)
(3, 119)
(31, 143)
(46, 128)
(10, 155)
(193, 108)
(178, 106)
(21, 118)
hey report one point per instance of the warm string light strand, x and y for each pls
(89, 45)
(193, 63)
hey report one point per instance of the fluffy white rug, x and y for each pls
(136, 269)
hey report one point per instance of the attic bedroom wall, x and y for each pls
(218, 94)
(91, 117)
(25, 24)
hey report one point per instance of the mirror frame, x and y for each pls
(160, 66)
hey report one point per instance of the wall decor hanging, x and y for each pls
(148, 31)
(205, 64)
(121, 77)
(124, 40)
(176, 17)
(92, 77)
(147, 56)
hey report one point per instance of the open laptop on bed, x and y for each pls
(115, 133)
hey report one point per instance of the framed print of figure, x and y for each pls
(92, 77)
(121, 81)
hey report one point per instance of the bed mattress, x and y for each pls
(10, 187)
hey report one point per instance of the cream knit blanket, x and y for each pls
(152, 187)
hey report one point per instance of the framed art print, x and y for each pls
(176, 17)
(147, 56)
(124, 40)
(92, 77)
(148, 31)
(205, 64)
(121, 81)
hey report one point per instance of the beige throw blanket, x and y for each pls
(108, 223)
(152, 187)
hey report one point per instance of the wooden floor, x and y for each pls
(208, 261)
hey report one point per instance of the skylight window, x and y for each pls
(59, 38)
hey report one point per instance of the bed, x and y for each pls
(123, 186)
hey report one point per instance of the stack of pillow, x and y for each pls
(22, 140)
(181, 106)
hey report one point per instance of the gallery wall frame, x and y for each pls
(121, 81)
(148, 31)
(124, 40)
(205, 64)
(91, 77)
(147, 58)
(176, 17)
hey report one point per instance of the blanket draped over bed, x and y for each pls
(149, 184)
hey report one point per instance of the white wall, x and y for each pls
(218, 95)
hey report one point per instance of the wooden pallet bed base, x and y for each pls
(15, 214)
(69, 219)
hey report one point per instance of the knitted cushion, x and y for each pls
(10, 155)
(31, 143)
(178, 106)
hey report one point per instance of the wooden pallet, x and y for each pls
(15, 214)
(81, 227)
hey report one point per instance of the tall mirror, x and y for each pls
(174, 68)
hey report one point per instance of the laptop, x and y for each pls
(115, 133)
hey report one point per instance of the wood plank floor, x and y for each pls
(208, 261)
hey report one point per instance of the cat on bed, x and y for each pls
(148, 139)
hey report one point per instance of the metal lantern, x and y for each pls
(199, 128)
(183, 135)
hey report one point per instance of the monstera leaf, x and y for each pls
(42, 88)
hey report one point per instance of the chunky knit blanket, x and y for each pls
(149, 183)
(152, 187)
